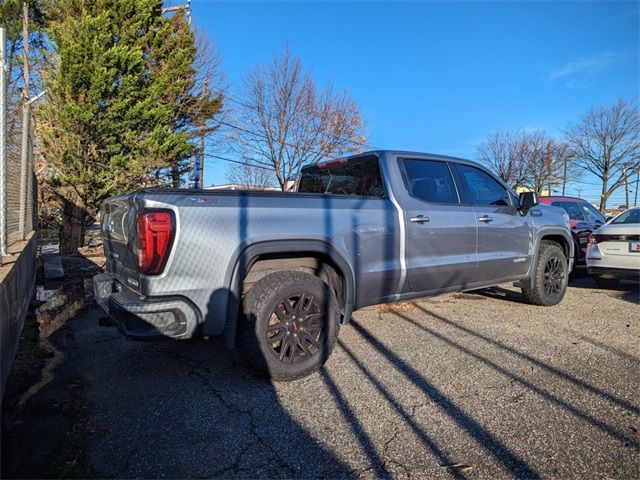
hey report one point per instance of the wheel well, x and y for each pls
(557, 240)
(314, 263)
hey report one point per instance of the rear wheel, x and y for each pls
(550, 276)
(604, 282)
(290, 325)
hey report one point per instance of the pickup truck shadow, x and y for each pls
(190, 409)
(500, 293)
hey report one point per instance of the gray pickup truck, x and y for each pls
(277, 274)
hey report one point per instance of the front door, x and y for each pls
(503, 234)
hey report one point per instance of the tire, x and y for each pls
(604, 282)
(289, 326)
(550, 276)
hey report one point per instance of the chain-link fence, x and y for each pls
(17, 215)
(17, 185)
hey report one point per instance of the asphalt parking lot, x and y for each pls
(474, 385)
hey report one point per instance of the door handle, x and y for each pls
(485, 219)
(419, 219)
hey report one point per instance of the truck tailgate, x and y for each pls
(120, 247)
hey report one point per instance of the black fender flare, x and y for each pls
(245, 257)
(546, 232)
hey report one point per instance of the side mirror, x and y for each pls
(528, 200)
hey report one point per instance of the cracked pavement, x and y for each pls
(474, 385)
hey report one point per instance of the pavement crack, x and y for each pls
(203, 372)
(385, 453)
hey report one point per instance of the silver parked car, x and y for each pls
(613, 251)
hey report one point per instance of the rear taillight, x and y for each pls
(155, 229)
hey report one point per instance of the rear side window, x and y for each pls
(483, 188)
(360, 176)
(572, 208)
(630, 216)
(430, 181)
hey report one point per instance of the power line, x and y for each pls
(252, 163)
(243, 102)
(265, 137)
(234, 98)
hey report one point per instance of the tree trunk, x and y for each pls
(175, 177)
(72, 230)
(603, 197)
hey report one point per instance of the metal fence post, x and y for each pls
(3, 144)
(26, 128)
(24, 169)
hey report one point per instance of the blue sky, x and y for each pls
(439, 76)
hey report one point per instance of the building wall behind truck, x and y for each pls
(17, 283)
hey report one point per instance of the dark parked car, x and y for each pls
(584, 219)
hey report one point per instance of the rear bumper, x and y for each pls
(141, 318)
(614, 272)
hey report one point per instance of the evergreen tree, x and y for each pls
(124, 102)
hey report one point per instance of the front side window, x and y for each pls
(430, 181)
(515, 201)
(483, 188)
(572, 208)
(591, 214)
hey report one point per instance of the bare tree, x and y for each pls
(606, 143)
(501, 153)
(547, 161)
(530, 159)
(288, 122)
(251, 174)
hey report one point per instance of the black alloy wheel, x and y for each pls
(295, 328)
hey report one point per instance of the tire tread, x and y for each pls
(536, 295)
(254, 301)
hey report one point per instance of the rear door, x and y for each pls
(503, 234)
(441, 232)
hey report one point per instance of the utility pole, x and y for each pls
(177, 8)
(567, 158)
(579, 190)
(200, 166)
(3, 143)
(626, 185)
(635, 197)
(24, 150)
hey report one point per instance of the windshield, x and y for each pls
(630, 216)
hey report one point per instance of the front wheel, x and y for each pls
(550, 277)
(290, 324)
